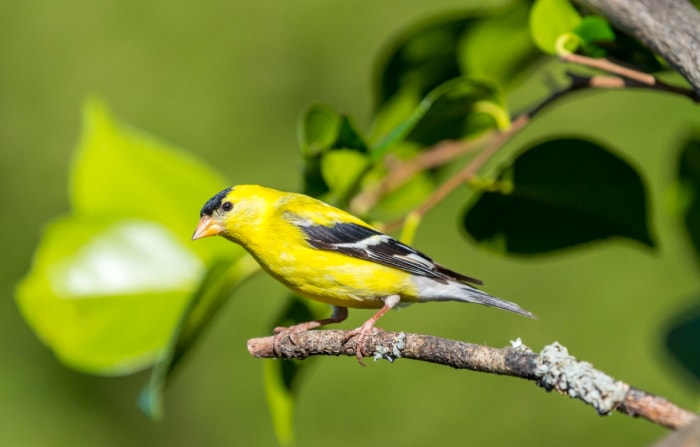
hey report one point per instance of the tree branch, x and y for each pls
(553, 368)
(669, 28)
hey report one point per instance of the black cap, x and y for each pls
(215, 202)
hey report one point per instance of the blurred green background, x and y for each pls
(227, 81)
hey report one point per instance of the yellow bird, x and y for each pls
(329, 255)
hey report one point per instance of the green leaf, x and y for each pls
(593, 31)
(689, 188)
(422, 58)
(449, 112)
(341, 170)
(550, 22)
(558, 194)
(391, 115)
(110, 282)
(106, 295)
(321, 130)
(119, 172)
(683, 338)
(508, 32)
(318, 129)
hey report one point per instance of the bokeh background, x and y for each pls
(227, 80)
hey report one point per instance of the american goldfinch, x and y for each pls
(329, 255)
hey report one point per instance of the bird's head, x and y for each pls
(235, 212)
(214, 215)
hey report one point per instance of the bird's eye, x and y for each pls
(227, 206)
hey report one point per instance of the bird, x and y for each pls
(326, 254)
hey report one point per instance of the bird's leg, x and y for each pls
(339, 314)
(366, 329)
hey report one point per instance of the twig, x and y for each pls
(553, 368)
(402, 171)
(668, 28)
(637, 78)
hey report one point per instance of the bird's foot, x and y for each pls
(281, 332)
(360, 334)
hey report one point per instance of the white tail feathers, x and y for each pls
(431, 290)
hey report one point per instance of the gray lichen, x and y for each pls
(558, 370)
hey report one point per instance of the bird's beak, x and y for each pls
(207, 226)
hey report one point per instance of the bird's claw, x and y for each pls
(280, 333)
(360, 334)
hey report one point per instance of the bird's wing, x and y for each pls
(366, 243)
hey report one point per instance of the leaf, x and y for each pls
(683, 338)
(630, 51)
(422, 58)
(449, 112)
(510, 34)
(558, 194)
(341, 170)
(119, 172)
(550, 20)
(106, 295)
(593, 31)
(110, 282)
(318, 129)
(689, 188)
(321, 130)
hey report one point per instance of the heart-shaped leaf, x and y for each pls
(558, 194)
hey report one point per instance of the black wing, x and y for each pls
(365, 243)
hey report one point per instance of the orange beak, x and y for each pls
(207, 227)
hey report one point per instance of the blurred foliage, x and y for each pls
(116, 286)
(559, 193)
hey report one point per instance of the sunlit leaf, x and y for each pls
(119, 172)
(550, 20)
(341, 169)
(110, 282)
(558, 194)
(321, 129)
(509, 32)
(106, 295)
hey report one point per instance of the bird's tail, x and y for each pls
(477, 296)
(431, 290)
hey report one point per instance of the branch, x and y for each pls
(552, 369)
(669, 28)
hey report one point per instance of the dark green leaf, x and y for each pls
(422, 58)
(558, 194)
(683, 338)
(593, 31)
(449, 114)
(628, 50)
